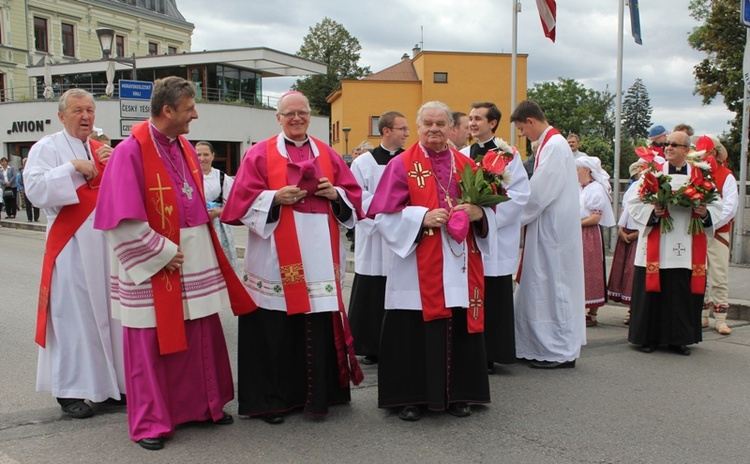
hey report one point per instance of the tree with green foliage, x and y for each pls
(721, 37)
(636, 112)
(571, 107)
(330, 43)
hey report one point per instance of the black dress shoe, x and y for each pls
(680, 349)
(490, 367)
(369, 360)
(226, 420)
(152, 444)
(75, 408)
(552, 364)
(459, 409)
(272, 418)
(409, 413)
(648, 348)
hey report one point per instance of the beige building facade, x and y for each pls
(33, 32)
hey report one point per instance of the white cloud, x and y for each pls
(585, 50)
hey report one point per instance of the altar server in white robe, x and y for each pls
(549, 299)
(371, 256)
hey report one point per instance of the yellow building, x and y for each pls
(64, 31)
(455, 78)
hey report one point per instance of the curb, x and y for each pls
(738, 309)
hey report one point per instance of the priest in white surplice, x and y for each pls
(670, 268)
(371, 256)
(81, 345)
(499, 330)
(549, 299)
(432, 341)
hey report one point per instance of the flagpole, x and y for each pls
(739, 221)
(618, 121)
(513, 70)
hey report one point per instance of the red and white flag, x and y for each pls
(547, 13)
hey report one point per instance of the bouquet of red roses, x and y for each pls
(484, 184)
(700, 190)
(656, 189)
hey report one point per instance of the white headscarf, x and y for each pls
(594, 164)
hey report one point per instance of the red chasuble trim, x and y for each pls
(290, 260)
(551, 132)
(163, 217)
(423, 192)
(67, 223)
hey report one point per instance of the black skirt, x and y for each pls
(432, 363)
(499, 324)
(366, 308)
(669, 317)
(287, 362)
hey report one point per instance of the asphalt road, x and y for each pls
(617, 406)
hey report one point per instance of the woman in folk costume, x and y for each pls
(216, 186)
(596, 212)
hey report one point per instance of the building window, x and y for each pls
(440, 77)
(68, 40)
(153, 48)
(172, 50)
(120, 45)
(335, 136)
(374, 120)
(40, 34)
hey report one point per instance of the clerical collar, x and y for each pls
(677, 170)
(160, 136)
(431, 152)
(390, 152)
(297, 144)
(490, 140)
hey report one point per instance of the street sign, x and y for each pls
(745, 17)
(126, 125)
(136, 90)
(135, 109)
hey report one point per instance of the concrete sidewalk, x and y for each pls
(739, 274)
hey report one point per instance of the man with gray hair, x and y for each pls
(432, 343)
(293, 191)
(80, 358)
(170, 276)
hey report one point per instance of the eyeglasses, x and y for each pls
(403, 128)
(674, 145)
(293, 114)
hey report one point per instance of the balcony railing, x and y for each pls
(36, 93)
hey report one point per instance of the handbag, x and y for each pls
(7, 195)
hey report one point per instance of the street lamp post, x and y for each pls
(106, 38)
(346, 138)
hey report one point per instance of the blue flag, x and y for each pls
(635, 21)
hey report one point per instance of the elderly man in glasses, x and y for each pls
(292, 192)
(670, 266)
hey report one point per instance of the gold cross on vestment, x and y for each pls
(160, 189)
(419, 173)
(475, 303)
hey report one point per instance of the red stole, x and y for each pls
(551, 132)
(67, 223)
(423, 192)
(290, 259)
(162, 213)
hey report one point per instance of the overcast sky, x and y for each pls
(585, 49)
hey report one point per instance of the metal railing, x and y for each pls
(209, 95)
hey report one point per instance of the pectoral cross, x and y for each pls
(187, 189)
(679, 249)
(419, 173)
(475, 303)
(160, 189)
